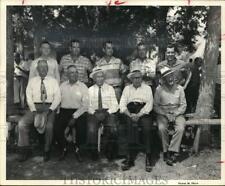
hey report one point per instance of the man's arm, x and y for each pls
(57, 75)
(85, 102)
(149, 104)
(182, 106)
(57, 95)
(114, 103)
(157, 107)
(91, 108)
(30, 96)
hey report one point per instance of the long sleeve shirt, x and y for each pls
(142, 94)
(109, 100)
(33, 92)
(74, 96)
(53, 69)
(166, 100)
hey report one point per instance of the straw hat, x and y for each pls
(134, 70)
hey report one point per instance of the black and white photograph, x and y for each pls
(112, 93)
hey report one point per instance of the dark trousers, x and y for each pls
(110, 129)
(62, 122)
(134, 141)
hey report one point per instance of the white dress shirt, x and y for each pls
(33, 92)
(142, 94)
(74, 96)
(109, 100)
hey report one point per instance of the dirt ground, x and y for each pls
(205, 165)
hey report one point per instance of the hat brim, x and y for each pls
(167, 73)
(129, 76)
(95, 72)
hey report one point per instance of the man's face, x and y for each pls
(42, 69)
(72, 74)
(142, 51)
(108, 49)
(169, 80)
(45, 49)
(170, 54)
(99, 78)
(75, 48)
(136, 79)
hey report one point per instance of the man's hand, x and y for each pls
(170, 117)
(135, 117)
(72, 122)
(101, 115)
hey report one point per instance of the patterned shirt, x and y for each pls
(53, 69)
(82, 64)
(113, 70)
(148, 69)
(170, 100)
(180, 69)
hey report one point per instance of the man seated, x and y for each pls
(136, 103)
(170, 105)
(43, 97)
(74, 105)
(103, 106)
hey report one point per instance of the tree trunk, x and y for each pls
(205, 104)
(161, 31)
(9, 65)
(37, 14)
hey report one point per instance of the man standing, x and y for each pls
(43, 97)
(137, 103)
(181, 71)
(113, 68)
(103, 106)
(170, 105)
(83, 64)
(147, 66)
(53, 69)
(74, 105)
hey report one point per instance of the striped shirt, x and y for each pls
(113, 70)
(82, 64)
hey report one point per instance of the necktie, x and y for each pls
(99, 98)
(43, 91)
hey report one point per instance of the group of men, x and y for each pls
(61, 91)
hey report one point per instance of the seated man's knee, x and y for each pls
(180, 124)
(21, 125)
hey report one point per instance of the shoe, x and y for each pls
(165, 156)
(46, 156)
(148, 163)
(23, 155)
(171, 160)
(127, 165)
(63, 155)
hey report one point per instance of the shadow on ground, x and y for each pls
(203, 166)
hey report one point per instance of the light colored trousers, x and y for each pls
(25, 124)
(175, 142)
